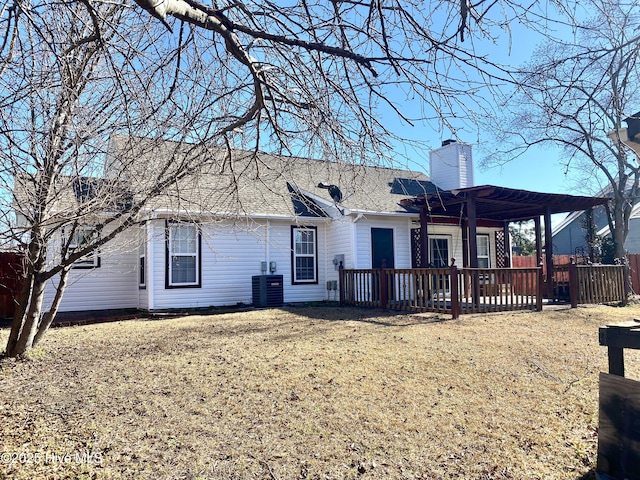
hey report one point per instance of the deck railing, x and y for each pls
(597, 284)
(477, 290)
(443, 290)
(484, 290)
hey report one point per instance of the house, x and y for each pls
(202, 243)
(207, 239)
(570, 235)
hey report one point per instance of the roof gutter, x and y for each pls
(164, 212)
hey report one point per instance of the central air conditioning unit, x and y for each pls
(267, 290)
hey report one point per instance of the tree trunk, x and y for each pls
(25, 337)
(20, 313)
(51, 314)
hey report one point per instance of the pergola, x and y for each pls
(496, 206)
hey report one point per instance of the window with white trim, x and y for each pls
(79, 239)
(484, 259)
(304, 255)
(183, 255)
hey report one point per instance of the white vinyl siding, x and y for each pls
(229, 254)
(113, 286)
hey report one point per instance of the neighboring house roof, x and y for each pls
(635, 214)
(573, 216)
(568, 220)
(263, 184)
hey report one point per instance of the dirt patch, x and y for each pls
(314, 393)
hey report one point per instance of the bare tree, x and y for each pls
(305, 78)
(74, 78)
(571, 95)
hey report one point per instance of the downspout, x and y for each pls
(266, 244)
(150, 280)
(354, 240)
(325, 259)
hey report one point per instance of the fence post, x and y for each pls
(574, 287)
(628, 288)
(455, 301)
(540, 287)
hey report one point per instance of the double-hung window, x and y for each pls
(183, 255)
(304, 254)
(81, 237)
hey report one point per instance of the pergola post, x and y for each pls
(548, 251)
(424, 238)
(538, 232)
(472, 228)
(465, 243)
(507, 245)
(473, 232)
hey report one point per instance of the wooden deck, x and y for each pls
(477, 290)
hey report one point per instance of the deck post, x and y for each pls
(548, 251)
(574, 287)
(383, 285)
(455, 300)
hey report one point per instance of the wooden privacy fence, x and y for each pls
(443, 290)
(634, 272)
(11, 269)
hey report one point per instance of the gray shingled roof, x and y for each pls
(257, 185)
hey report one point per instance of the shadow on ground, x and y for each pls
(590, 475)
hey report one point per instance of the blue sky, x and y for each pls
(539, 169)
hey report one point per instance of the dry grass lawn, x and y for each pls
(310, 393)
